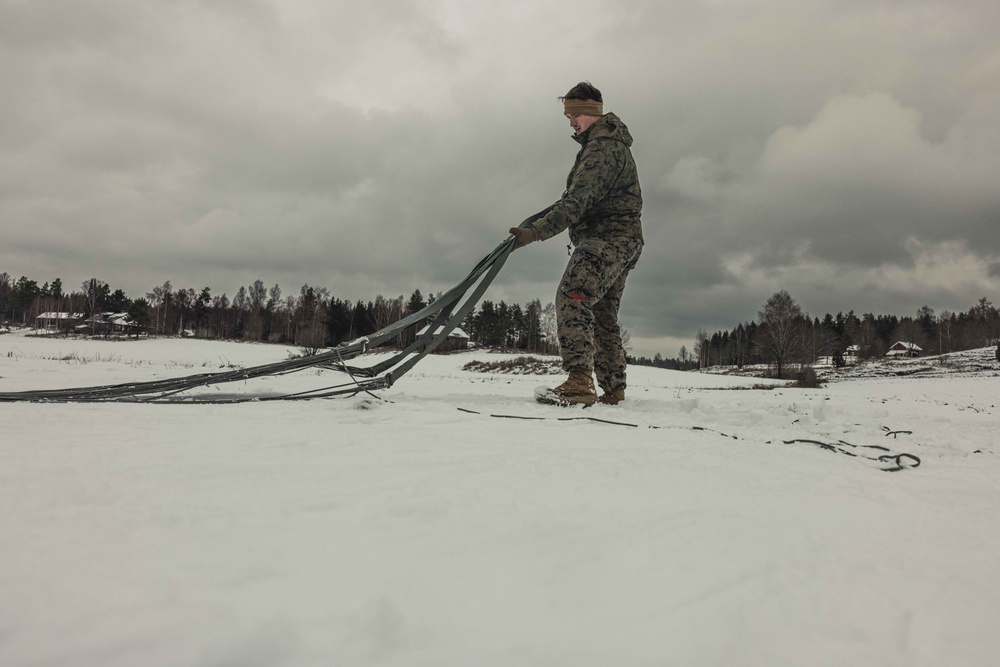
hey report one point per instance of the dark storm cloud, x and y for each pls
(844, 151)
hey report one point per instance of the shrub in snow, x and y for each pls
(518, 366)
(807, 378)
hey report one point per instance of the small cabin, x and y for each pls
(53, 321)
(903, 350)
(457, 339)
(114, 324)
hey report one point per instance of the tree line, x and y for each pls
(313, 318)
(784, 335)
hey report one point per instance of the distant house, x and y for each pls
(457, 339)
(113, 324)
(852, 351)
(904, 350)
(53, 321)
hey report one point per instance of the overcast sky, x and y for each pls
(847, 151)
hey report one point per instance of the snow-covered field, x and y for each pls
(420, 530)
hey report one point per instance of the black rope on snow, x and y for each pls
(885, 458)
(884, 449)
(702, 428)
(899, 462)
(562, 419)
(838, 447)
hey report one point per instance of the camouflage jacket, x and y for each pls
(602, 198)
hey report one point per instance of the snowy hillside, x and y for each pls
(980, 363)
(453, 521)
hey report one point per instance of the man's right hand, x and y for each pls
(523, 236)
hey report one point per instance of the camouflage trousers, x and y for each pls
(587, 303)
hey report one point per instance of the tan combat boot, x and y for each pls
(578, 389)
(612, 397)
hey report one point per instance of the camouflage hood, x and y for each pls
(609, 126)
(603, 199)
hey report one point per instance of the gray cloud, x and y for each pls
(844, 151)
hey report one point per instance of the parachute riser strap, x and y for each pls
(446, 330)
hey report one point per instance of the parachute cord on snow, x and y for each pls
(839, 447)
(903, 461)
(350, 374)
(445, 319)
(562, 419)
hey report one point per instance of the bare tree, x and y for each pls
(155, 298)
(779, 338)
(256, 300)
(388, 311)
(701, 348)
(167, 294)
(220, 311)
(868, 341)
(547, 322)
(184, 299)
(626, 340)
(94, 290)
(240, 308)
(944, 331)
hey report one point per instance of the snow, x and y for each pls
(402, 530)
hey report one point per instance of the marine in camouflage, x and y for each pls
(601, 208)
(603, 198)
